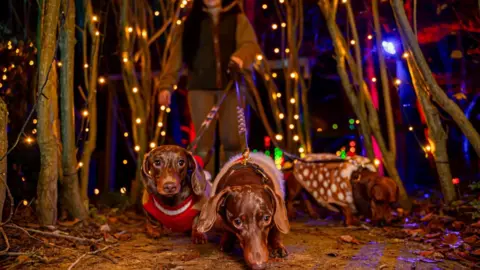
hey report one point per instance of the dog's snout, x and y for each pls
(169, 187)
(259, 266)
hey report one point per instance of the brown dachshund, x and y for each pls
(175, 190)
(248, 199)
(374, 195)
(327, 179)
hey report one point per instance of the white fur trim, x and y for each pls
(172, 212)
(263, 161)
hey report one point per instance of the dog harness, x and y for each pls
(177, 219)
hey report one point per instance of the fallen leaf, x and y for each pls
(458, 225)
(69, 223)
(349, 239)
(414, 232)
(476, 225)
(452, 256)
(476, 252)
(471, 240)
(123, 236)
(426, 253)
(432, 235)
(153, 231)
(22, 258)
(112, 219)
(427, 217)
(450, 239)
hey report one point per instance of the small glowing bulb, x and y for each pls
(376, 162)
(160, 124)
(295, 117)
(369, 37)
(144, 33)
(184, 2)
(344, 1)
(301, 150)
(279, 95)
(101, 80)
(405, 55)
(125, 162)
(125, 134)
(274, 75)
(168, 110)
(287, 50)
(4, 77)
(428, 148)
(295, 138)
(259, 57)
(97, 33)
(357, 121)
(279, 137)
(25, 202)
(292, 100)
(162, 108)
(80, 164)
(85, 113)
(95, 18)
(135, 90)
(410, 128)
(96, 191)
(130, 29)
(87, 130)
(291, 126)
(264, 6)
(157, 13)
(1, 85)
(352, 42)
(85, 66)
(163, 133)
(23, 179)
(293, 75)
(274, 26)
(152, 145)
(398, 82)
(138, 121)
(179, 22)
(175, 87)
(284, 25)
(31, 63)
(374, 79)
(281, 1)
(137, 148)
(281, 115)
(319, 129)
(276, 50)
(125, 59)
(17, 51)
(35, 121)
(123, 190)
(34, 131)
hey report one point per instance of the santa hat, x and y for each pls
(199, 161)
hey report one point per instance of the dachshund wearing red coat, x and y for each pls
(175, 191)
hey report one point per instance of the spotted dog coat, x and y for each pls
(329, 183)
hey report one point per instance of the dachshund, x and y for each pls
(175, 191)
(247, 204)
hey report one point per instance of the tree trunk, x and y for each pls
(385, 85)
(47, 142)
(3, 152)
(436, 92)
(92, 80)
(71, 193)
(342, 53)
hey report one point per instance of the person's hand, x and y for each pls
(164, 98)
(237, 61)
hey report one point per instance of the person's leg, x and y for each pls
(201, 102)
(229, 137)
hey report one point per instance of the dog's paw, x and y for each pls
(279, 252)
(199, 238)
(153, 231)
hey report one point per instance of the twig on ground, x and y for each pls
(73, 238)
(29, 254)
(90, 253)
(7, 244)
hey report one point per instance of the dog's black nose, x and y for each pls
(169, 187)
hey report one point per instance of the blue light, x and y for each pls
(389, 47)
(426, 195)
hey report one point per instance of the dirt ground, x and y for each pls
(312, 244)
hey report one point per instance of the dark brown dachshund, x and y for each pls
(175, 190)
(374, 195)
(248, 199)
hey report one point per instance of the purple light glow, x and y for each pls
(389, 47)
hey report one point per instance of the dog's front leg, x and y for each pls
(153, 229)
(277, 249)
(198, 237)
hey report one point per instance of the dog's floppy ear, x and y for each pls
(280, 217)
(197, 177)
(208, 215)
(146, 177)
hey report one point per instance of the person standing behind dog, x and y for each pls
(215, 33)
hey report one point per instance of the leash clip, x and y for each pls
(246, 156)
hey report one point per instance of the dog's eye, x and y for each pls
(266, 218)
(181, 162)
(237, 222)
(157, 162)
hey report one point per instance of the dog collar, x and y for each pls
(239, 164)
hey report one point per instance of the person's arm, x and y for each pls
(247, 45)
(170, 72)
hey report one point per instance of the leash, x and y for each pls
(208, 120)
